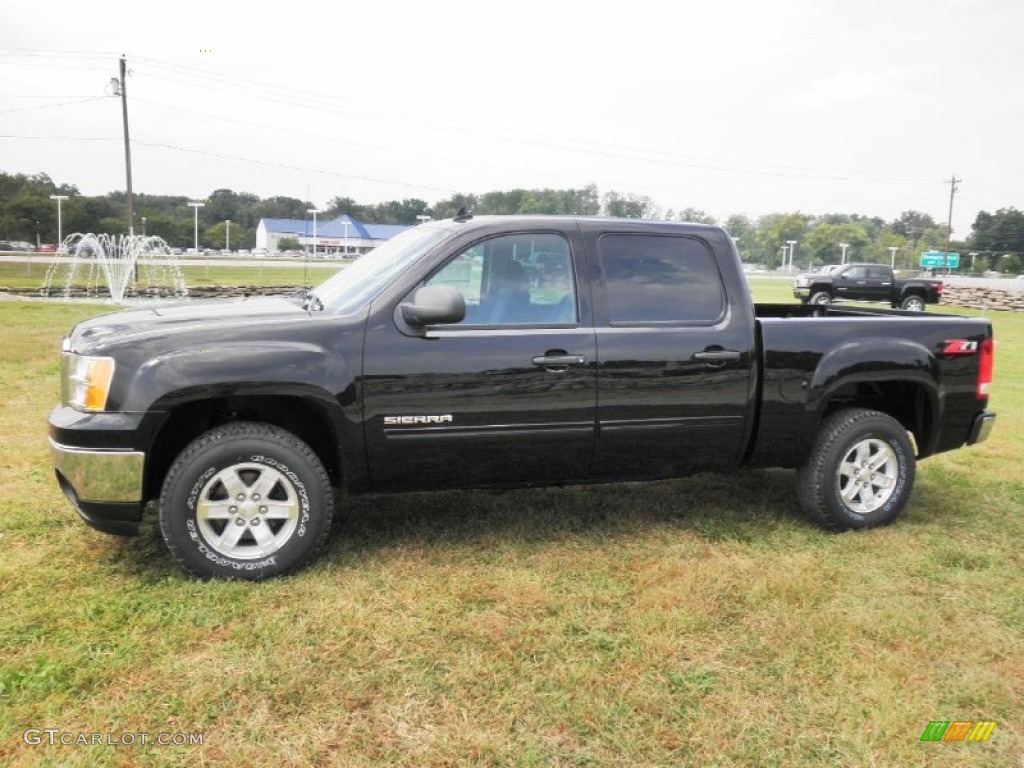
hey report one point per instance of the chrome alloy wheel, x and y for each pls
(867, 476)
(248, 511)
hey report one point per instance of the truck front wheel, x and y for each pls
(245, 501)
(860, 471)
(821, 298)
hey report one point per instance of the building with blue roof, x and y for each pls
(339, 235)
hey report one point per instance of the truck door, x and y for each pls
(853, 283)
(505, 397)
(676, 361)
(880, 284)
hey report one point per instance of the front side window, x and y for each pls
(855, 273)
(659, 279)
(520, 279)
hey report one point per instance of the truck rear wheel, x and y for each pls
(821, 298)
(245, 501)
(912, 304)
(860, 471)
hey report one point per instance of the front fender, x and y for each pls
(215, 369)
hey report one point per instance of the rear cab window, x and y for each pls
(660, 279)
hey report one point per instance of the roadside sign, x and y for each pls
(933, 259)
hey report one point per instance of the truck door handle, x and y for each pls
(717, 355)
(558, 359)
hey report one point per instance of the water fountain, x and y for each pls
(127, 264)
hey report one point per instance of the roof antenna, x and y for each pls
(464, 214)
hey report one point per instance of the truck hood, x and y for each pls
(209, 319)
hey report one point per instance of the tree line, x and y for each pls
(27, 213)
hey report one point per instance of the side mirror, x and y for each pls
(434, 305)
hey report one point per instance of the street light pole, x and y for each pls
(227, 235)
(792, 244)
(195, 206)
(973, 255)
(892, 254)
(60, 229)
(844, 246)
(314, 211)
(143, 226)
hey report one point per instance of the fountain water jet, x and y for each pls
(128, 264)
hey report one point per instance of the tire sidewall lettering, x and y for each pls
(295, 470)
(896, 497)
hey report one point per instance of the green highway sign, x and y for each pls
(934, 259)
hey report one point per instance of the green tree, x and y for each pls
(773, 232)
(822, 244)
(1001, 231)
(630, 206)
(288, 244)
(695, 215)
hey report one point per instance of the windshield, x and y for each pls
(359, 283)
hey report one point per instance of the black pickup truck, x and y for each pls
(867, 282)
(499, 352)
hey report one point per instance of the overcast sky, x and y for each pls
(731, 106)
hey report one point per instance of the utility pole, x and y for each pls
(127, 150)
(953, 181)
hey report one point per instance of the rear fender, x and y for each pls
(874, 361)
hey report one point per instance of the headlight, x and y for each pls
(801, 282)
(86, 381)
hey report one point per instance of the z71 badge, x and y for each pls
(959, 347)
(404, 421)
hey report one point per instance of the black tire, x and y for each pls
(912, 303)
(821, 298)
(278, 519)
(857, 448)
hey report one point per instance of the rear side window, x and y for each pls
(660, 279)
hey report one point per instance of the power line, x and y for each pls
(48, 106)
(304, 169)
(307, 99)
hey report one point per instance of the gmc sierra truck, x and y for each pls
(867, 282)
(499, 352)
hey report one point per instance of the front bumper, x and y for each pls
(104, 485)
(981, 427)
(802, 292)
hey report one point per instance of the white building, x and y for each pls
(343, 234)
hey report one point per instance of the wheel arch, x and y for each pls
(893, 376)
(314, 420)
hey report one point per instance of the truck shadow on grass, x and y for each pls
(744, 506)
(734, 507)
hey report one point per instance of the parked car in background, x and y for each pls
(867, 282)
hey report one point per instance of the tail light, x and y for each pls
(985, 366)
(938, 288)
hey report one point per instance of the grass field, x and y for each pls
(700, 622)
(31, 275)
